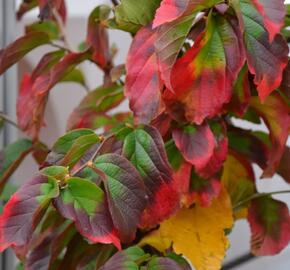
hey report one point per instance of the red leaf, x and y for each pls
(171, 10)
(46, 62)
(92, 109)
(24, 7)
(273, 13)
(196, 144)
(97, 36)
(33, 94)
(143, 83)
(193, 188)
(270, 225)
(217, 159)
(39, 257)
(30, 107)
(203, 78)
(203, 191)
(276, 114)
(19, 48)
(285, 85)
(284, 168)
(25, 209)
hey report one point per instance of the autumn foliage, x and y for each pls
(165, 181)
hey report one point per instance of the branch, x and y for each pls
(89, 162)
(7, 119)
(258, 195)
(61, 29)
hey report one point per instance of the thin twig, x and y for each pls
(62, 29)
(89, 162)
(258, 195)
(7, 119)
(59, 47)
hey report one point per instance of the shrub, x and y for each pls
(139, 189)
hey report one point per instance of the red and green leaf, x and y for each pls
(265, 60)
(273, 13)
(206, 70)
(93, 108)
(19, 48)
(270, 225)
(85, 203)
(284, 168)
(144, 147)
(253, 145)
(196, 143)
(143, 83)
(48, 27)
(33, 95)
(276, 114)
(69, 148)
(46, 63)
(126, 259)
(125, 191)
(25, 209)
(11, 157)
(203, 191)
(168, 44)
(159, 263)
(241, 94)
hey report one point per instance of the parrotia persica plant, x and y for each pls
(158, 187)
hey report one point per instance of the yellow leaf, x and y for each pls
(199, 233)
(238, 179)
(155, 240)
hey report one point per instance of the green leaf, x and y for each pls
(76, 76)
(48, 27)
(131, 15)
(11, 157)
(125, 191)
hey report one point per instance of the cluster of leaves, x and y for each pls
(149, 190)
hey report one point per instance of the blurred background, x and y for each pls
(64, 97)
